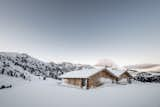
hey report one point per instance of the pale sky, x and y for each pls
(82, 31)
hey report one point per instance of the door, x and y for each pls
(84, 83)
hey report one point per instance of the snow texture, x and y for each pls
(24, 66)
(85, 73)
(116, 72)
(40, 93)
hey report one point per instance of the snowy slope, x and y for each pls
(24, 66)
(39, 93)
(51, 93)
(8, 80)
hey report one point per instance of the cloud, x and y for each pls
(106, 62)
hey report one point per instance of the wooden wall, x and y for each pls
(125, 75)
(94, 80)
(73, 81)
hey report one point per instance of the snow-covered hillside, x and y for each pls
(48, 93)
(24, 66)
(52, 93)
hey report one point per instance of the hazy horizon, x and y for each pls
(82, 31)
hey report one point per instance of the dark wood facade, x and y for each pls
(94, 80)
(126, 76)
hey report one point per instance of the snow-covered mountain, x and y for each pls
(144, 67)
(145, 72)
(25, 66)
(67, 66)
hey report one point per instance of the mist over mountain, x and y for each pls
(142, 66)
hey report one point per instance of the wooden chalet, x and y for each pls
(90, 78)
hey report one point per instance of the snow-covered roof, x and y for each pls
(84, 73)
(116, 72)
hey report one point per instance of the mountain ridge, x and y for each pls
(24, 66)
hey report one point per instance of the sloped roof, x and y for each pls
(116, 72)
(85, 73)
